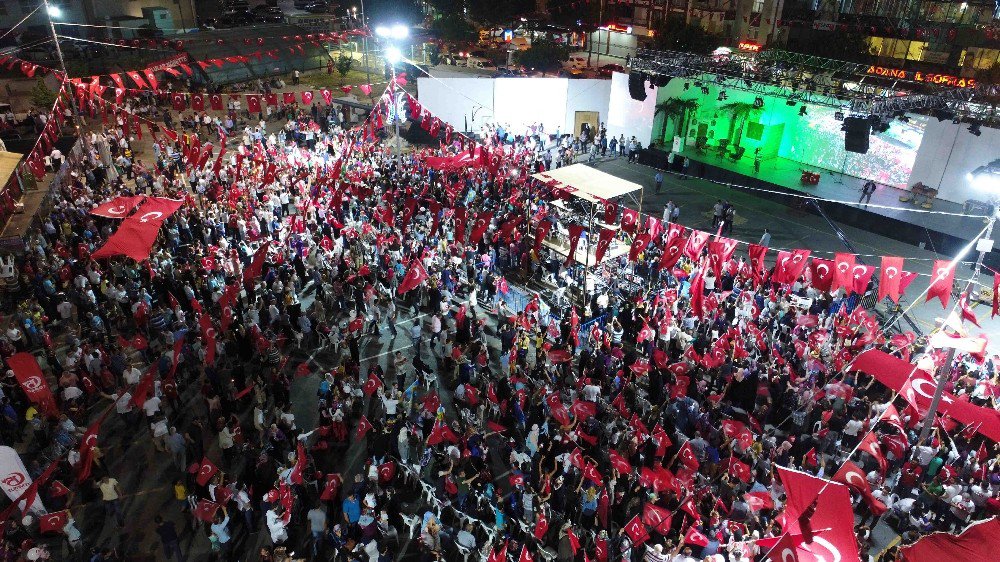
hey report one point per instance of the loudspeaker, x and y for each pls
(637, 85)
(856, 133)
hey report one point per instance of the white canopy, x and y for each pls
(588, 183)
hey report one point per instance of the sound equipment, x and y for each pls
(637, 85)
(856, 133)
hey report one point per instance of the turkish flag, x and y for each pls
(687, 457)
(942, 279)
(862, 274)
(541, 525)
(976, 543)
(591, 473)
(498, 555)
(619, 462)
(789, 266)
(757, 254)
(822, 274)
(307, 97)
(53, 522)
(996, 295)
(296, 475)
(672, 253)
(720, 251)
(151, 78)
(253, 103)
(288, 97)
(206, 471)
(137, 78)
(364, 426)
(87, 444)
(630, 220)
(889, 280)
(575, 231)
(966, 311)
(603, 243)
(208, 333)
(58, 489)
(327, 96)
(413, 278)
(179, 102)
(636, 531)
(525, 555)
(843, 272)
(610, 212)
(332, 488)
(695, 244)
(695, 537)
(372, 385)
(697, 292)
(738, 469)
(205, 510)
(271, 99)
(198, 102)
(33, 382)
(386, 472)
(852, 476)
(816, 509)
(637, 247)
(737, 430)
(657, 517)
(541, 232)
(483, 220)
(117, 208)
(759, 500)
(441, 432)
(215, 100)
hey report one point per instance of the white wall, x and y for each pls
(586, 95)
(519, 102)
(462, 102)
(627, 116)
(948, 153)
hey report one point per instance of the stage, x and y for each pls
(887, 215)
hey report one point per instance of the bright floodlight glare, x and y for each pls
(399, 31)
(393, 55)
(382, 31)
(54, 11)
(986, 178)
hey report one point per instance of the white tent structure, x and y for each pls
(592, 188)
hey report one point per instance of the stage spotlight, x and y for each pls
(704, 90)
(722, 95)
(790, 103)
(687, 85)
(974, 128)
(758, 102)
(637, 85)
(803, 112)
(986, 177)
(838, 115)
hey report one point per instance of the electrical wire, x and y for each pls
(15, 26)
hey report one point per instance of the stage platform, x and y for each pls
(887, 215)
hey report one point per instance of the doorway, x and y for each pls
(591, 118)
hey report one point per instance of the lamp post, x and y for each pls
(986, 178)
(393, 55)
(364, 40)
(54, 12)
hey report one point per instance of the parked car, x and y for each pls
(608, 69)
(477, 62)
(578, 63)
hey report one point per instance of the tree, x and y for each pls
(739, 113)
(41, 96)
(674, 35)
(344, 64)
(544, 55)
(454, 27)
(676, 110)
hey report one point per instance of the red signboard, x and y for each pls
(749, 46)
(171, 62)
(929, 77)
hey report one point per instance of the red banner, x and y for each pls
(603, 242)
(575, 230)
(942, 279)
(29, 375)
(889, 281)
(975, 544)
(843, 272)
(817, 508)
(695, 244)
(171, 62)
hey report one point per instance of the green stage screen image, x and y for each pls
(780, 134)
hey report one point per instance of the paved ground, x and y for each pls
(793, 227)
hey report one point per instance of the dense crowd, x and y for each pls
(501, 429)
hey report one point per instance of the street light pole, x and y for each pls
(984, 245)
(364, 42)
(62, 66)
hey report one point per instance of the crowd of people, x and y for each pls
(489, 429)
